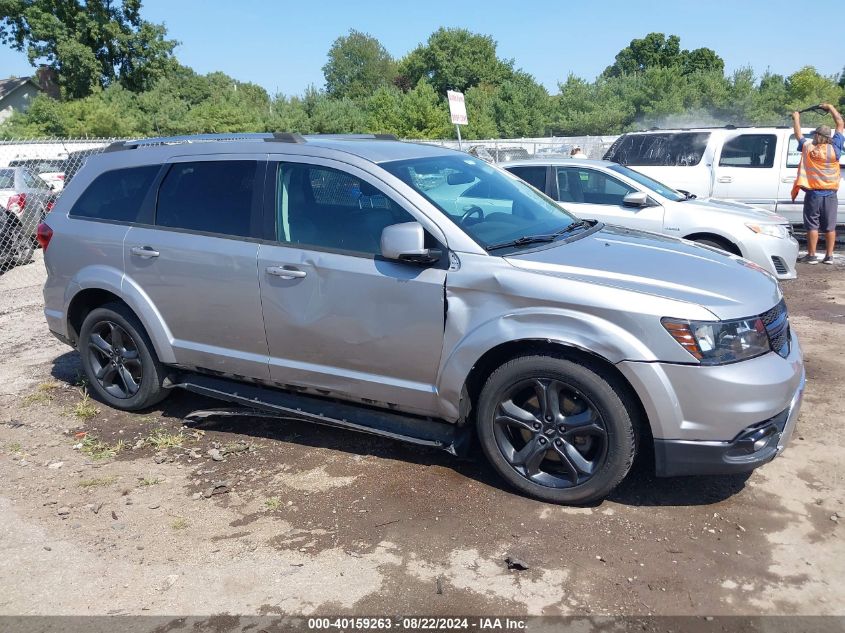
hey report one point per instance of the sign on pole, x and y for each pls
(458, 111)
(457, 107)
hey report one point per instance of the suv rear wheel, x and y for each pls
(555, 429)
(119, 359)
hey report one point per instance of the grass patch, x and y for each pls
(161, 438)
(179, 523)
(149, 481)
(43, 393)
(14, 447)
(85, 409)
(97, 482)
(97, 449)
(273, 503)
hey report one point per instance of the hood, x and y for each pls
(736, 209)
(728, 286)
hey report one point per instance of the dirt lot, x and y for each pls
(105, 513)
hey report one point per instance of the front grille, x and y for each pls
(776, 321)
(780, 265)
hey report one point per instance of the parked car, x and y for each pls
(50, 170)
(26, 197)
(498, 154)
(753, 165)
(241, 269)
(615, 194)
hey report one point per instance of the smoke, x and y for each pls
(693, 118)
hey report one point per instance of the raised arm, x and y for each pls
(837, 118)
(796, 125)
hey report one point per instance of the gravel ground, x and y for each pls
(103, 512)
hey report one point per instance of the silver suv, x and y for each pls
(422, 294)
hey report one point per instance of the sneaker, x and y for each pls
(810, 259)
(828, 259)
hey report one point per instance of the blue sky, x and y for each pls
(282, 45)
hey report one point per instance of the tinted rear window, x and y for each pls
(678, 149)
(534, 176)
(116, 195)
(209, 196)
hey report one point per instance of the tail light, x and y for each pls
(60, 176)
(44, 235)
(49, 206)
(16, 203)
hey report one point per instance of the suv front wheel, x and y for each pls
(555, 429)
(119, 359)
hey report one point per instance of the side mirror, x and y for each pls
(405, 242)
(635, 199)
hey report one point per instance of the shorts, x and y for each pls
(820, 212)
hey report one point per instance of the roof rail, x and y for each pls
(274, 137)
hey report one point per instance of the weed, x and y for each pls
(42, 394)
(273, 503)
(97, 482)
(97, 449)
(149, 481)
(14, 447)
(161, 438)
(179, 523)
(85, 409)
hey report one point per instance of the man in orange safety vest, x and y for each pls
(818, 176)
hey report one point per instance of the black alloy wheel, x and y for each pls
(550, 433)
(557, 429)
(114, 359)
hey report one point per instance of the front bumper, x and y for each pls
(752, 447)
(776, 255)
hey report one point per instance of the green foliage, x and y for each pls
(656, 50)
(454, 59)
(653, 81)
(90, 43)
(358, 65)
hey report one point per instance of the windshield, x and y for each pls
(650, 183)
(491, 206)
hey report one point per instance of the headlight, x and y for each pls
(772, 230)
(719, 342)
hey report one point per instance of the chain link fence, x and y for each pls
(34, 172)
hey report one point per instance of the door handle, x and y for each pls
(787, 179)
(725, 179)
(144, 252)
(284, 272)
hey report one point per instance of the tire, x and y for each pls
(720, 244)
(585, 450)
(127, 357)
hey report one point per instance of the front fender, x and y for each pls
(112, 280)
(590, 333)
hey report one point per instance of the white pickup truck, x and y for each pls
(754, 165)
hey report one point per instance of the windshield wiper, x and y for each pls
(538, 239)
(580, 224)
(522, 241)
(687, 195)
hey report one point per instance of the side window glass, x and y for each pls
(208, 196)
(569, 185)
(793, 156)
(534, 176)
(599, 188)
(750, 151)
(116, 195)
(328, 208)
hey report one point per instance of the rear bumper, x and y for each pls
(754, 446)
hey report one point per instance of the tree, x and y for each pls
(656, 50)
(358, 65)
(89, 43)
(454, 59)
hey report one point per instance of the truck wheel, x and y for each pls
(555, 429)
(119, 359)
